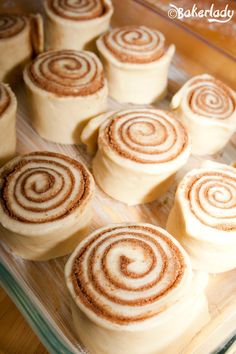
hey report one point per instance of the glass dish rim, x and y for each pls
(41, 326)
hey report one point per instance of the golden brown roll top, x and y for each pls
(43, 187)
(144, 136)
(67, 72)
(77, 10)
(127, 273)
(134, 44)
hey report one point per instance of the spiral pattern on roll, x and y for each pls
(67, 72)
(123, 272)
(43, 187)
(145, 136)
(77, 10)
(212, 197)
(211, 98)
(11, 25)
(135, 44)
(5, 99)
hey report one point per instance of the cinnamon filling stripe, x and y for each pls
(11, 25)
(211, 98)
(42, 187)
(67, 73)
(145, 137)
(77, 10)
(212, 199)
(135, 44)
(127, 266)
(5, 99)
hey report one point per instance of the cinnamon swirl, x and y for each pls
(207, 107)
(20, 36)
(44, 204)
(127, 281)
(136, 63)
(65, 89)
(8, 106)
(139, 151)
(76, 24)
(204, 216)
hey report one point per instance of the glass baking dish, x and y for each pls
(38, 288)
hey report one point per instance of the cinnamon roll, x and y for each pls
(136, 63)
(139, 151)
(44, 204)
(20, 37)
(207, 107)
(203, 217)
(65, 89)
(127, 283)
(76, 24)
(8, 105)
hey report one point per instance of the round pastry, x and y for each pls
(203, 217)
(136, 63)
(20, 36)
(65, 89)
(127, 283)
(45, 202)
(76, 24)
(8, 105)
(139, 151)
(207, 107)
